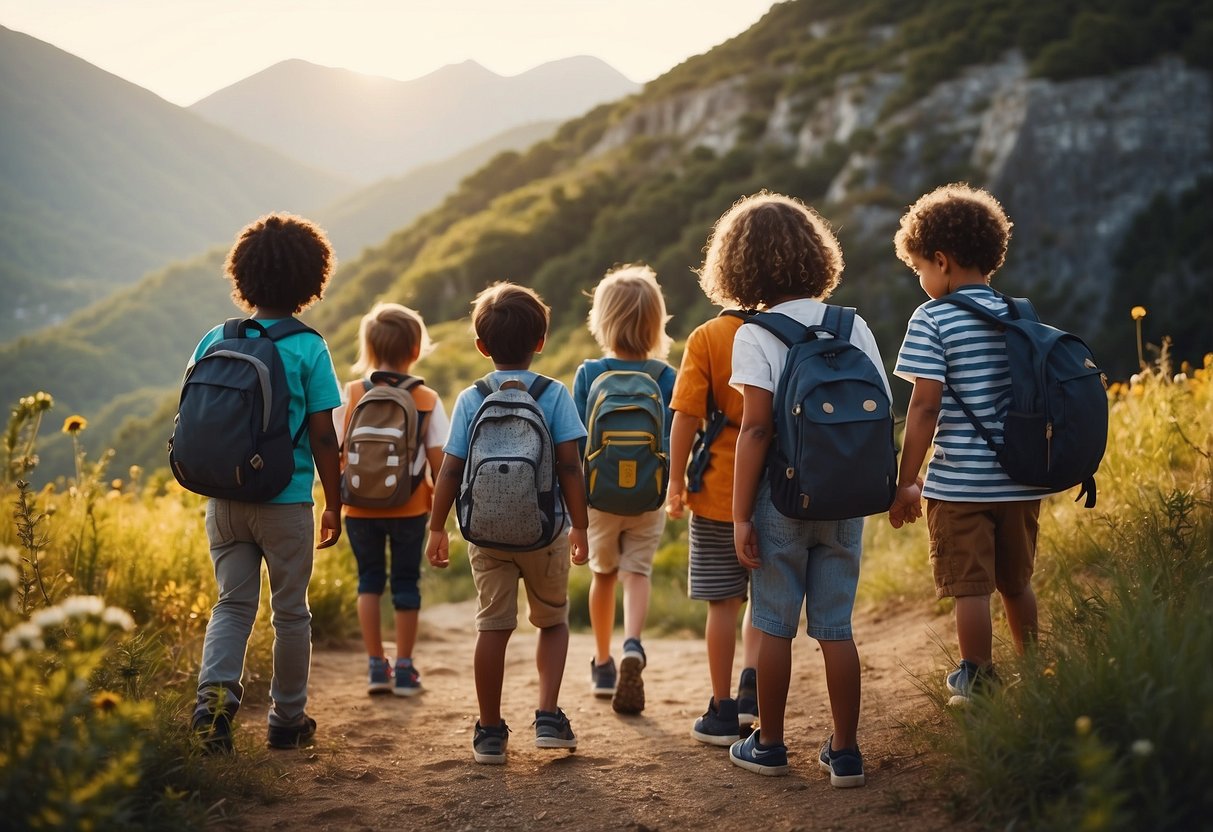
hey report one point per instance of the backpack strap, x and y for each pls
(284, 328)
(743, 314)
(839, 320)
(537, 387)
(484, 386)
(1018, 310)
(404, 380)
(786, 329)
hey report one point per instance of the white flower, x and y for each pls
(51, 618)
(25, 636)
(118, 619)
(9, 576)
(9, 555)
(1142, 748)
(83, 606)
(1180, 378)
(1135, 379)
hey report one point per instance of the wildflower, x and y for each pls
(25, 636)
(1135, 379)
(74, 424)
(106, 700)
(1050, 671)
(1180, 378)
(116, 484)
(9, 555)
(118, 619)
(9, 576)
(83, 606)
(113, 495)
(1082, 726)
(1142, 748)
(51, 618)
(1138, 312)
(135, 473)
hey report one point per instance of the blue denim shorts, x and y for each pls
(809, 564)
(377, 540)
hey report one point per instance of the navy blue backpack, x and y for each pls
(1056, 428)
(833, 455)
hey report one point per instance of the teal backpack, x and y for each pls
(626, 459)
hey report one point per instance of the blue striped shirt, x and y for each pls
(951, 345)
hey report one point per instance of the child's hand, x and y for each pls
(745, 540)
(579, 546)
(907, 505)
(330, 528)
(673, 500)
(438, 549)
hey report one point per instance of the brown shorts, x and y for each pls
(544, 573)
(979, 547)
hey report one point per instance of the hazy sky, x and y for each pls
(184, 50)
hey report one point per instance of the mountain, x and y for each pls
(100, 181)
(367, 128)
(369, 215)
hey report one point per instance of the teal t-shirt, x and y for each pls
(314, 388)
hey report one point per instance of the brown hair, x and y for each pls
(628, 313)
(967, 224)
(391, 335)
(510, 320)
(279, 261)
(770, 247)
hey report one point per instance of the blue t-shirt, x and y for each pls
(594, 367)
(952, 345)
(556, 404)
(314, 388)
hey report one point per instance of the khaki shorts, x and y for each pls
(544, 573)
(979, 547)
(624, 542)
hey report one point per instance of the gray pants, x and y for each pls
(242, 535)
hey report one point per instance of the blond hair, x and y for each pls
(628, 314)
(391, 335)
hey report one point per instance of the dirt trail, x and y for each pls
(393, 763)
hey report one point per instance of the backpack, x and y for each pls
(232, 438)
(381, 443)
(626, 459)
(1056, 427)
(701, 448)
(508, 498)
(833, 455)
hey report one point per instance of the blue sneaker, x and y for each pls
(718, 725)
(488, 744)
(844, 765)
(603, 678)
(747, 697)
(552, 730)
(408, 680)
(629, 692)
(379, 677)
(760, 759)
(968, 679)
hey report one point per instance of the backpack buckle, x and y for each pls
(256, 463)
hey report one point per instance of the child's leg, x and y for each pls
(407, 536)
(637, 547)
(1018, 524)
(774, 676)
(720, 634)
(602, 612)
(974, 632)
(368, 540)
(843, 682)
(551, 651)
(406, 633)
(749, 638)
(489, 665)
(368, 622)
(286, 536)
(636, 591)
(1021, 617)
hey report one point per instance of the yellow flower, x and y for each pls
(106, 700)
(116, 484)
(1082, 726)
(1138, 312)
(74, 424)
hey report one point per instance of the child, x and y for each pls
(510, 323)
(278, 266)
(391, 338)
(715, 575)
(773, 252)
(981, 523)
(627, 319)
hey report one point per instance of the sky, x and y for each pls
(183, 50)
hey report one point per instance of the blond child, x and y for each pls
(391, 338)
(627, 318)
(774, 253)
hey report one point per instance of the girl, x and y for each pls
(627, 319)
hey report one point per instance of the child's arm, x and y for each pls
(757, 427)
(682, 437)
(323, 439)
(572, 486)
(921, 419)
(446, 487)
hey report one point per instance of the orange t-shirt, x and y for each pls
(422, 499)
(707, 364)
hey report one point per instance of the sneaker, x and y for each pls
(760, 759)
(488, 744)
(408, 680)
(214, 731)
(629, 692)
(968, 679)
(379, 677)
(747, 697)
(552, 730)
(844, 765)
(602, 678)
(718, 725)
(292, 736)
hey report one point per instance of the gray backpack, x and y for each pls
(509, 498)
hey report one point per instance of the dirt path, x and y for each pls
(392, 763)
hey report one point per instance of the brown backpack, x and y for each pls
(380, 448)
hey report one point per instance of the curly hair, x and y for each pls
(510, 320)
(768, 248)
(965, 223)
(279, 261)
(391, 335)
(628, 313)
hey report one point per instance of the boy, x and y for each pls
(982, 524)
(510, 323)
(278, 267)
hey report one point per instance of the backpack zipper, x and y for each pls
(1048, 446)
